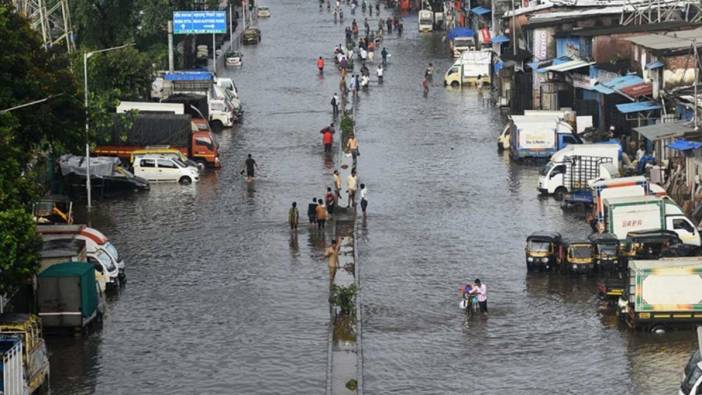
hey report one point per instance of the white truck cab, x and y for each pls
(426, 21)
(162, 168)
(552, 176)
(107, 272)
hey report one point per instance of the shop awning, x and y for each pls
(664, 130)
(654, 65)
(638, 90)
(480, 10)
(685, 145)
(639, 106)
(567, 66)
(500, 39)
(617, 84)
(460, 32)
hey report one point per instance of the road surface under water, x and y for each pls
(223, 299)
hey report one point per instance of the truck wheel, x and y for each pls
(558, 193)
(530, 267)
(658, 330)
(185, 180)
(454, 84)
(217, 126)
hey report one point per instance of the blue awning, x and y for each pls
(480, 10)
(685, 145)
(460, 32)
(500, 39)
(628, 108)
(654, 65)
(618, 83)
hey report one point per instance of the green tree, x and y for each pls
(29, 73)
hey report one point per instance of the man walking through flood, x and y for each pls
(351, 183)
(249, 165)
(312, 211)
(332, 255)
(337, 184)
(328, 138)
(293, 216)
(335, 105)
(321, 213)
(481, 290)
(364, 199)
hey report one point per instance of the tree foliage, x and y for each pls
(29, 73)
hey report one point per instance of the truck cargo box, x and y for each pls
(152, 129)
(67, 295)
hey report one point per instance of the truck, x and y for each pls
(538, 138)
(12, 380)
(472, 68)
(662, 293)
(68, 296)
(164, 130)
(621, 187)
(426, 21)
(650, 213)
(691, 383)
(552, 178)
(219, 106)
(579, 173)
(35, 359)
(461, 39)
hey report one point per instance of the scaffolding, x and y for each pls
(642, 12)
(51, 18)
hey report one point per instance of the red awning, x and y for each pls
(638, 90)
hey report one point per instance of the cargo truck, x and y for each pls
(35, 358)
(539, 137)
(692, 375)
(554, 177)
(662, 293)
(426, 20)
(622, 187)
(68, 296)
(461, 39)
(472, 68)
(155, 129)
(650, 213)
(11, 368)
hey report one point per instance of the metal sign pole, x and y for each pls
(214, 55)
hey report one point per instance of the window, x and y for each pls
(96, 264)
(167, 164)
(681, 223)
(147, 163)
(557, 170)
(203, 142)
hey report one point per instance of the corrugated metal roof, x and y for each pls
(654, 65)
(628, 108)
(618, 83)
(638, 90)
(526, 10)
(675, 40)
(566, 66)
(664, 130)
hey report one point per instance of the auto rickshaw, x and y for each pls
(652, 244)
(606, 248)
(577, 257)
(541, 250)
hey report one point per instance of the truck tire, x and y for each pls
(454, 84)
(185, 180)
(217, 126)
(558, 193)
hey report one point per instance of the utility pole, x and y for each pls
(86, 56)
(697, 67)
(171, 65)
(514, 31)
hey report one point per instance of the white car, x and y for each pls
(161, 168)
(263, 12)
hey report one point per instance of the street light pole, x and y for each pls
(86, 56)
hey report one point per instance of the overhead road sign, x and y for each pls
(199, 22)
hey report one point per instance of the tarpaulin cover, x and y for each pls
(618, 83)
(500, 39)
(627, 108)
(188, 76)
(654, 65)
(460, 32)
(480, 10)
(100, 166)
(153, 129)
(685, 145)
(638, 90)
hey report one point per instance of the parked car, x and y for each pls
(263, 12)
(233, 58)
(161, 168)
(251, 35)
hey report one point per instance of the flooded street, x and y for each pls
(222, 298)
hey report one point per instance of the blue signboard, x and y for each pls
(199, 22)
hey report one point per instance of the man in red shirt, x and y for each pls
(320, 65)
(328, 137)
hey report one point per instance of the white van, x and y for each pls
(162, 168)
(551, 179)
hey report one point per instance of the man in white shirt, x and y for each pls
(481, 290)
(351, 185)
(364, 198)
